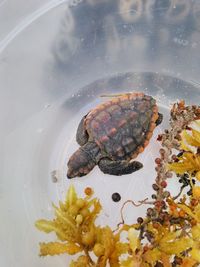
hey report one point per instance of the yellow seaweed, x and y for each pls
(188, 162)
(56, 248)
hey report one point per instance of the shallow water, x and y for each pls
(47, 140)
(56, 58)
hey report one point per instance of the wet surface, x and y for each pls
(55, 63)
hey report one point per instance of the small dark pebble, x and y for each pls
(116, 197)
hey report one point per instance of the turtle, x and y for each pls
(113, 134)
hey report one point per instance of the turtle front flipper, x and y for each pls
(119, 167)
(81, 134)
(160, 119)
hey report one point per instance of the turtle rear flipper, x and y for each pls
(119, 167)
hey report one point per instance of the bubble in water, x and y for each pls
(74, 3)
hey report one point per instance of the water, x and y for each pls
(71, 112)
(55, 62)
(47, 140)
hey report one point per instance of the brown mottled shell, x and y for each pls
(123, 126)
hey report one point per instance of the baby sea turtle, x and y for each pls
(113, 134)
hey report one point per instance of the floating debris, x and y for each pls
(116, 197)
(88, 191)
(55, 176)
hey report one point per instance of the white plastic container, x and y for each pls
(56, 59)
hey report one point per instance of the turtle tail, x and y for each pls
(82, 161)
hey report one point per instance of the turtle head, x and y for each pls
(80, 164)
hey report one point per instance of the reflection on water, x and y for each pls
(62, 141)
(122, 35)
(94, 20)
(164, 88)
